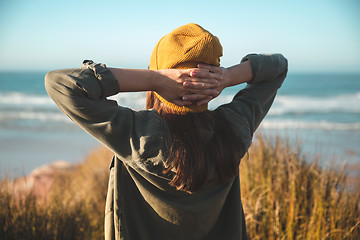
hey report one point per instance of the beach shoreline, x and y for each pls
(28, 152)
(21, 154)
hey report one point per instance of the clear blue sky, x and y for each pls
(315, 35)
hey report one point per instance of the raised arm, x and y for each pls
(253, 102)
(264, 75)
(81, 93)
(169, 83)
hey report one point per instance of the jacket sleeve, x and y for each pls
(250, 105)
(82, 95)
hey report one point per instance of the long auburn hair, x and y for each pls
(192, 160)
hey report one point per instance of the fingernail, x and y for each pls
(184, 98)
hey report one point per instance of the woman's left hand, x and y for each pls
(205, 71)
(176, 84)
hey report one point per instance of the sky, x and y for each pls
(314, 35)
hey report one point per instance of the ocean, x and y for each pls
(320, 110)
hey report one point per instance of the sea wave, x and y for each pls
(18, 98)
(284, 104)
(268, 124)
(133, 100)
(30, 115)
(295, 124)
(346, 103)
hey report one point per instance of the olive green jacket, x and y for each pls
(140, 202)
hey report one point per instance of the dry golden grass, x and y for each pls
(74, 208)
(285, 196)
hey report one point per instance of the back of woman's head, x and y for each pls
(201, 148)
(183, 48)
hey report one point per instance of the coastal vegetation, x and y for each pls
(286, 195)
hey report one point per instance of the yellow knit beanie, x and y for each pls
(184, 48)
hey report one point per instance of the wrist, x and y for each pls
(156, 79)
(240, 73)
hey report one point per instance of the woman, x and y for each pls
(174, 174)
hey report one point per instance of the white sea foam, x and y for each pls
(347, 103)
(295, 124)
(39, 116)
(37, 107)
(16, 98)
(133, 100)
(220, 100)
(268, 124)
